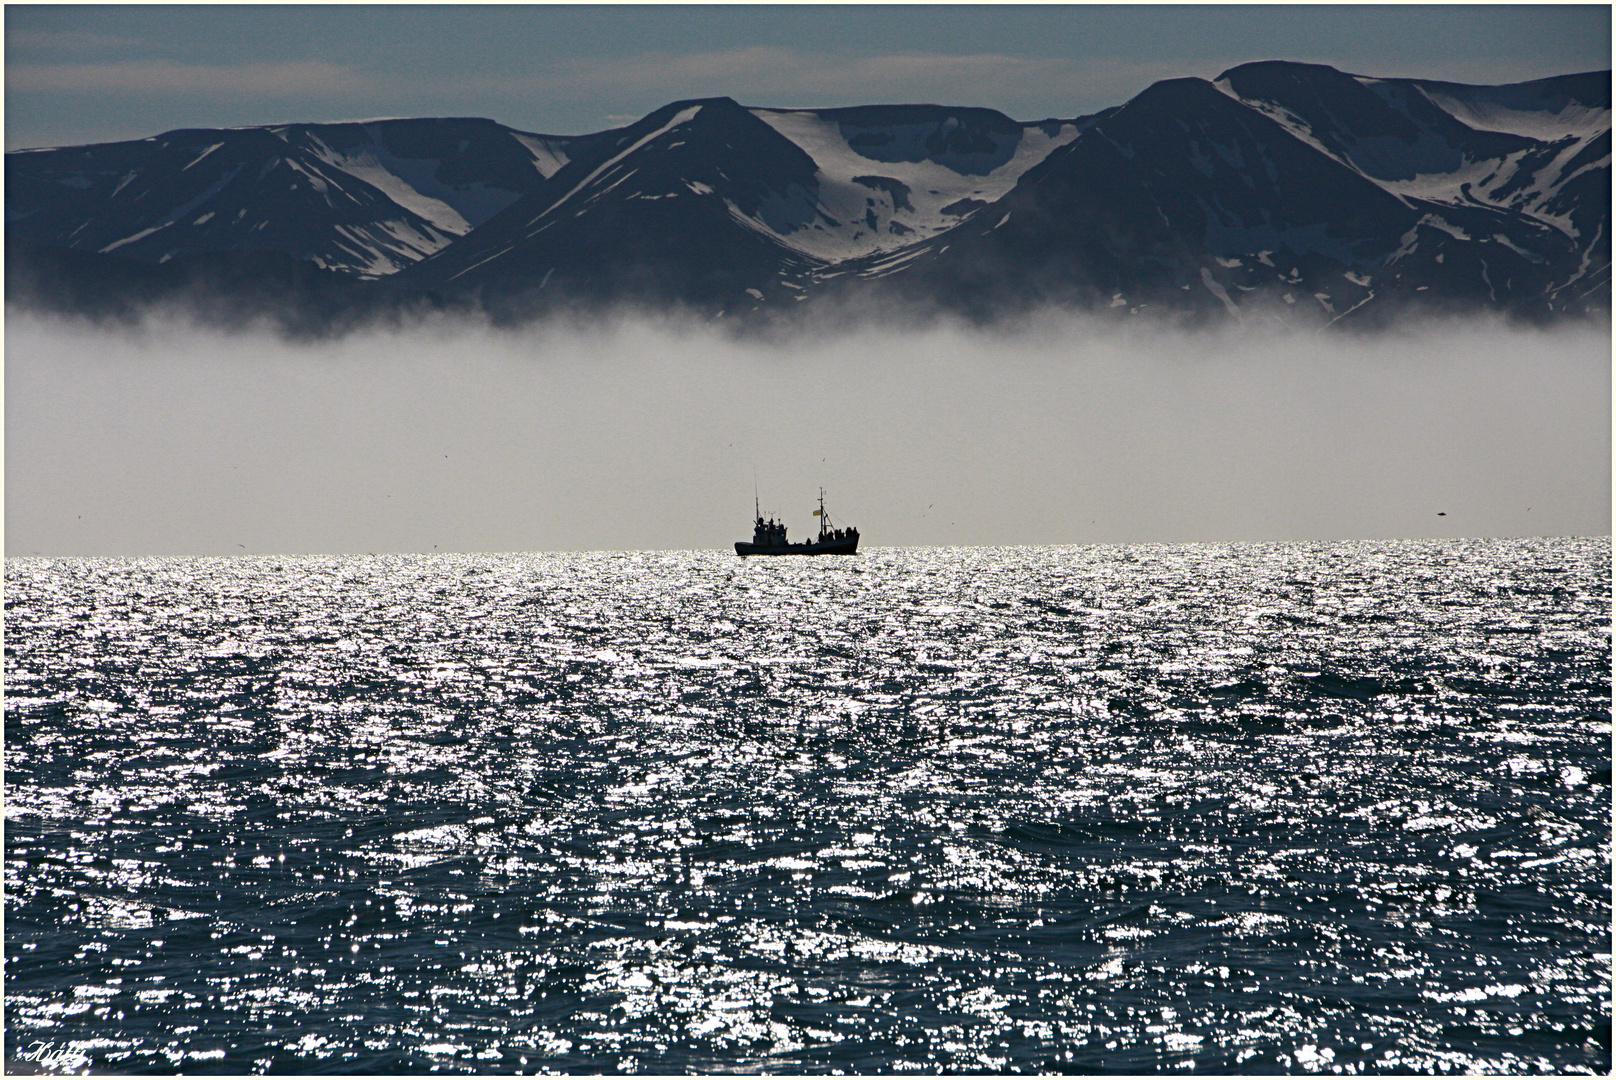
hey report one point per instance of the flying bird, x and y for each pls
(1441, 513)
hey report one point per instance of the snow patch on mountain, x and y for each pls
(1468, 184)
(549, 155)
(1266, 239)
(1295, 125)
(179, 213)
(605, 170)
(1434, 169)
(1525, 182)
(377, 249)
(202, 155)
(1496, 108)
(412, 183)
(867, 204)
(387, 174)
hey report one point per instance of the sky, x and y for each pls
(88, 73)
(651, 435)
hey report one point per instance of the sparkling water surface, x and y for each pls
(1251, 808)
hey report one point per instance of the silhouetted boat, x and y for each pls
(769, 537)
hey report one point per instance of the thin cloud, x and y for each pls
(292, 78)
(67, 40)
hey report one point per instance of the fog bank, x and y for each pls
(639, 434)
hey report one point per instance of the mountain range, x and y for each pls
(1278, 190)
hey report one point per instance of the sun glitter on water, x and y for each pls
(1305, 808)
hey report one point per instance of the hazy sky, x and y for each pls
(77, 73)
(640, 435)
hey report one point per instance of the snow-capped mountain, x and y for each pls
(1513, 147)
(710, 203)
(670, 209)
(1538, 151)
(1320, 195)
(1276, 189)
(364, 198)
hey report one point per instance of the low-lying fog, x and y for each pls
(179, 441)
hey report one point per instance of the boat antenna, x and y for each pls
(757, 507)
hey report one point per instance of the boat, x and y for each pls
(769, 537)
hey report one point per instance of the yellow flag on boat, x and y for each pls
(818, 512)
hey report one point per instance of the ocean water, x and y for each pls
(1324, 808)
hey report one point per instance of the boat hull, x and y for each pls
(845, 546)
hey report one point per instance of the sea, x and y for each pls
(1330, 808)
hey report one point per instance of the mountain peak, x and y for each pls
(1271, 68)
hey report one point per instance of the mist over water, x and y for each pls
(638, 433)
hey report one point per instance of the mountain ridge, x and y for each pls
(1277, 186)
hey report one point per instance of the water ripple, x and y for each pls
(1305, 807)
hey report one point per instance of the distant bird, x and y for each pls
(1441, 513)
(242, 546)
